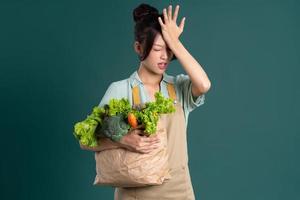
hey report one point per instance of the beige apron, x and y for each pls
(179, 186)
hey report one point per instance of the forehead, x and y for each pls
(159, 41)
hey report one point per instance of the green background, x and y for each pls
(58, 58)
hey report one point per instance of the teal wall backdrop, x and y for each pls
(58, 58)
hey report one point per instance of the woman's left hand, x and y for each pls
(170, 30)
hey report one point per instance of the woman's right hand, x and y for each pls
(135, 141)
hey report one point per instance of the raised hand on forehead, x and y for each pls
(170, 30)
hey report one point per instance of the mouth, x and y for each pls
(162, 65)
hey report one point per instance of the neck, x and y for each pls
(148, 77)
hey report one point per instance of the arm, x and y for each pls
(132, 141)
(171, 33)
(199, 79)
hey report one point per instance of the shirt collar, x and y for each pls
(135, 79)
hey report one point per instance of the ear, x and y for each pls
(138, 48)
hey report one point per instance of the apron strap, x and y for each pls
(136, 93)
(171, 91)
(136, 96)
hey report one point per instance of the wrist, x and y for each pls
(179, 50)
(175, 46)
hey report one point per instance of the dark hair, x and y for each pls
(146, 27)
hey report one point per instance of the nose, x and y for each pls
(164, 54)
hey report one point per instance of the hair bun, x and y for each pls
(143, 11)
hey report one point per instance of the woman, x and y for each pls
(157, 44)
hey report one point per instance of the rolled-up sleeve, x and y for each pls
(184, 85)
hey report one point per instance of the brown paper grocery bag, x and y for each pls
(123, 168)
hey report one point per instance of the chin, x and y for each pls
(160, 71)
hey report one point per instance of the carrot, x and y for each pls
(132, 120)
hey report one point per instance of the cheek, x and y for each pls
(154, 56)
(152, 59)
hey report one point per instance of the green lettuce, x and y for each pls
(111, 119)
(149, 115)
(85, 131)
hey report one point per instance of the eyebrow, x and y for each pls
(159, 45)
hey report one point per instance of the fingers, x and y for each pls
(176, 13)
(170, 12)
(146, 141)
(150, 140)
(147, 144)
(181, 26)
(166, 19)
(167, 14)
(138, 142)
(160, 22)
(147, 147)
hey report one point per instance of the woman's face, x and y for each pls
(159, 56)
